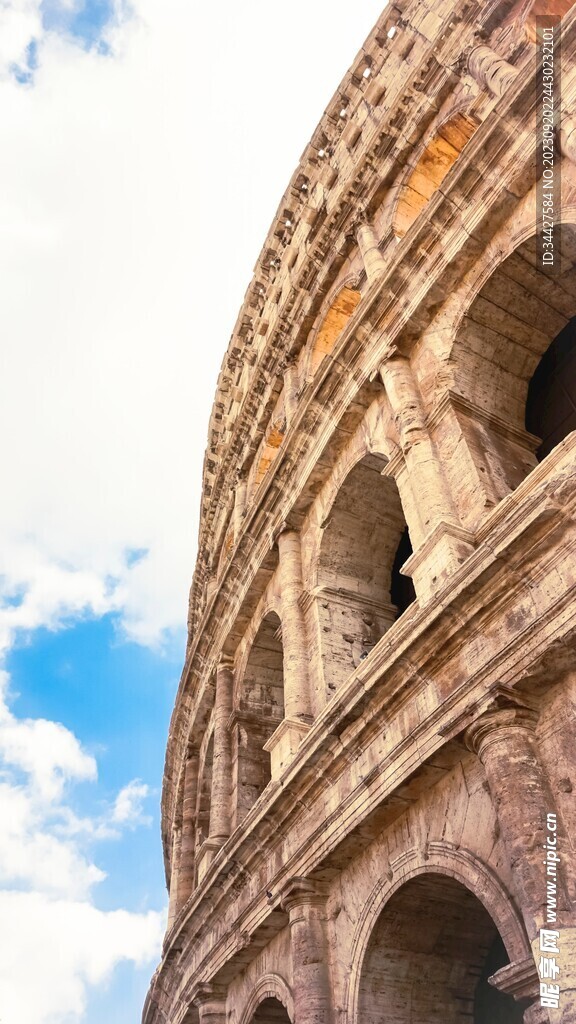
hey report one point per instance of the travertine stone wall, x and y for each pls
(375, 723)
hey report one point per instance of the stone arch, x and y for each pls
(363, 530)
(517, 314)
(270, 988)
(496, 452)
(340, 309)
(457, 872)
(433, 162)
(259, 709)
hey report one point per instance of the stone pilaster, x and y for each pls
(297, 705)
(505, 742)
(210, 1001)
(446, 544)
(490, 70)
(374, 262)
(222, 758)
(306, 907)
(290, 392)
(173, 903)
(220, 823)
(296, 685)
(239, 505)
(187, 851)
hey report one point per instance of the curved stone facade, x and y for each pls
(376, 713)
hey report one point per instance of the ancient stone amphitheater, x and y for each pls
(373, 747)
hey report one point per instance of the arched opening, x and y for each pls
(551, 404)
(429, 958)
(359, 554)
(333, 324)
(522, 307)
(260, 709)
(271, 1011)
(432, 167)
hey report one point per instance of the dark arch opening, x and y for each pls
(551, 404)
(429, 958)
(271, 1011)
(356, 568)
(402, 592)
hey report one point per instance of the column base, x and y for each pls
(284, 743)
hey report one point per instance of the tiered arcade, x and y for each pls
(376, 713)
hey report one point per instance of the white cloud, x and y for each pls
(50, 922)
(20, 22)
(52, 951)
(128, 806)
(42, 839)
(46, 751)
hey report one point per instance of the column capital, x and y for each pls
(490, 70)
(285, 531)
(300, 891)
(207, 992)
(493, 726)
(225, 663)
(519, 979)
(392, 351)
(369, 246)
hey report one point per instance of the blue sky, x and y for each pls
(145, 149)
(118, 697)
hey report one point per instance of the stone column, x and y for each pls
(290, 392)
(374, 262)
(297, 705)
(490, 70)
(295, 647)
(186, 873)
(239, 506)
(505, 742)
(211, 1003)
(306, 907)
(222, 757)
(220, 820)
(446, 544)
(174, 875)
